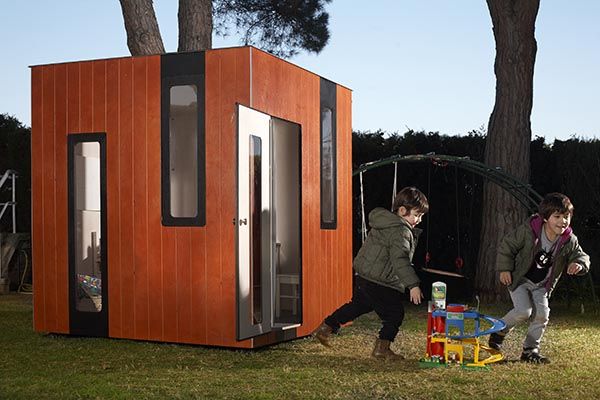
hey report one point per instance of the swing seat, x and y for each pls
(442, 272)
(458, 285)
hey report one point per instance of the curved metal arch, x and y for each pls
(523, 192)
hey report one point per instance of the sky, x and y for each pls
(412, 64)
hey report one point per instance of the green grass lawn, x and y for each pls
(41, 366)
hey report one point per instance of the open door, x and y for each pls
(88, 291)
(268, 241)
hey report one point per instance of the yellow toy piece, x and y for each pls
(447, 339)
(454, 350)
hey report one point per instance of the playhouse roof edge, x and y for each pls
(199, 51)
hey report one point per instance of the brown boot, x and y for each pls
(382, 350)
(323, 333)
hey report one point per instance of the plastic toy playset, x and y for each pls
(447, 341)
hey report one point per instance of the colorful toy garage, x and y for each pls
(447, 338)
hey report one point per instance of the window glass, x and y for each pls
(87, 219)
(255, 226)
(327, 167)
(183, 151)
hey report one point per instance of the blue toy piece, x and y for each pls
(453, 320)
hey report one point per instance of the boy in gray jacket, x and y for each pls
(383, 271)
(531, 260)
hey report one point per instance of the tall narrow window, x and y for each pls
(183, 151)
(182, 126)
(328, 155)
(87, 227)
(255, 226)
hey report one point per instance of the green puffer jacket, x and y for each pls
(385, 257)
(517, 249)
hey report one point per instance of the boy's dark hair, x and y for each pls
(555, 202)
(411, 198)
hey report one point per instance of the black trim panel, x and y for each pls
(329, 100)
(182, 69)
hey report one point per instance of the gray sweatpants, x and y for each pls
(530, 302)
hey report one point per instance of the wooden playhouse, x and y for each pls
(199, 198)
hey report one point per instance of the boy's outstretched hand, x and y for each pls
(416, 295)
(505, 278)
(574, 268)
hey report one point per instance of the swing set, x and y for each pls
(524, 193)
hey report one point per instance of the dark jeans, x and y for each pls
(369, 296)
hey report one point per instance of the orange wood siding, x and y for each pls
(62, 219)
(37, 199)
(49, 229)
(177, 284)
(342, 246)
(289, 92)
(154, 231)
(227, 83)
(113, 196)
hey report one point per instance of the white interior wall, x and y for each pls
(286, 190)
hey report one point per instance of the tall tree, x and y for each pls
(143, 35)
(195, 25)
(509, 130)
(281, 27)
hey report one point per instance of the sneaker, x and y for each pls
(496, 341)
(534, 357)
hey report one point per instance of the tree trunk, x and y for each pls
(143, 35)
(195, 25)
(509, 131)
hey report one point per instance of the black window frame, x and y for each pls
(180, 69)
(87, 323)
(328, 100)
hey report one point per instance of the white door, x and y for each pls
(254, 226)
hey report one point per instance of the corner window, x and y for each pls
(328, 155)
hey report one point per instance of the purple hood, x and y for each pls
(536, 224)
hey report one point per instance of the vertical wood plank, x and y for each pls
(49, 199)
(86, 96)
(314, 178)
(62, 203)
(169, 279)
(73, 98)
(126, 241)
(155, 287)
(184, 297)
(198, 286)
(37, 198)
(73, 111)
(113, 200)
(214, 322)
(345, 186)
(99, 101)
(140, 199)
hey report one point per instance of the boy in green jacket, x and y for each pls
(531, 260)
(383, 271)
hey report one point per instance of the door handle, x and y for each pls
(243, 222)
